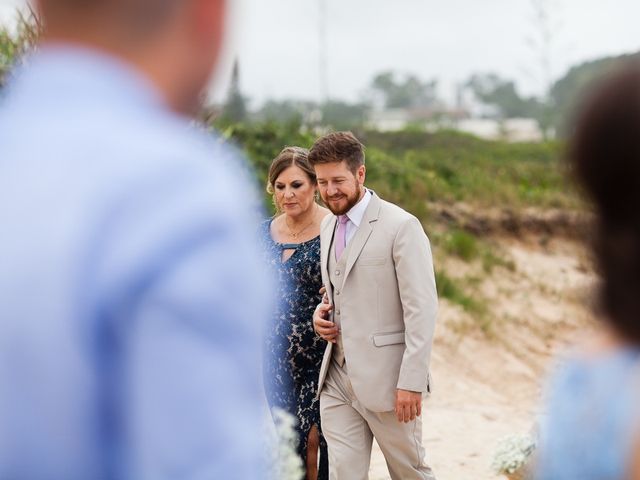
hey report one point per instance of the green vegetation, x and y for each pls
(451, 290)
(491, 259)
(568, 90)
(467, 247)
(413, 168)
(262, 143)
(461, 244)
(453, 167)
(16, 42)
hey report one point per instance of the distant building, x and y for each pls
(511, 129)
(427, 118)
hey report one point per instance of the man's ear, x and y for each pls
(362, 173)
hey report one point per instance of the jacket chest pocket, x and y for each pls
(383, 339)
(371, 261)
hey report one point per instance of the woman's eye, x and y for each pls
(296, 185)
(279, 187)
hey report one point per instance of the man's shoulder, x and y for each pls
(326, 221)
(394, 214)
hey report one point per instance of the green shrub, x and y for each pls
(490, 260)
(412, 168)
(448, 288)
(461, 244)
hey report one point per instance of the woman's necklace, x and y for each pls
(295, 235)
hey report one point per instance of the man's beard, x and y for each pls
(351, 201)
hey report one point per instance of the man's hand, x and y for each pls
(408, 405)
(323, 327)
(323, 292)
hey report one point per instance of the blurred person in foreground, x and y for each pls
(291, 243)
(128, 242)
(379, 321)
(591, 427)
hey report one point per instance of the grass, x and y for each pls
(461, 244)
(491, 260)
(450, 289)
(468, 247)
(453, 167)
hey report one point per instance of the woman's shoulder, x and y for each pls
(595, 367)
(594, 378)
(264, 229)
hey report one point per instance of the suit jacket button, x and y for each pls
(337, 272)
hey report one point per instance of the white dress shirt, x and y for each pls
(355, 215)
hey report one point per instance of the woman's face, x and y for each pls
(294, 191)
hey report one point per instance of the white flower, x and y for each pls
(282, 460)
(512, 453)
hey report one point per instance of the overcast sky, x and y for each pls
(278, 45)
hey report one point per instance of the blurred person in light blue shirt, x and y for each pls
(131, 300)
(590, 429)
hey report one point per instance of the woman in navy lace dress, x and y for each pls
(293, 351)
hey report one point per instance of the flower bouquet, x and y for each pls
(512, 455)
(282, 461)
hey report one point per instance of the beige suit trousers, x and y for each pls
(349, 429)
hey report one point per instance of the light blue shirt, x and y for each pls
(130, 293)
(590, 430)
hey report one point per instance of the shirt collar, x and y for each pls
(357, 211)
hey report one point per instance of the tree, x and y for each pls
(542, 43)
(490, 89)
(235, 109)
(15, 43)
(567, 90)
(285, 111)
(343, 116)
(405, 93)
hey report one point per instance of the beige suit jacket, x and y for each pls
(388, 305)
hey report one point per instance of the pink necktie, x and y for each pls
(341, 235)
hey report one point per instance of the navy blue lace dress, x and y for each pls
(293, 351)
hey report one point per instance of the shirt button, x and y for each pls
(337, 272)
(338, 312)
(337, 292)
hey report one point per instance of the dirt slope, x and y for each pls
(489, 371)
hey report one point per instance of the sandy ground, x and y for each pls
(488, 372)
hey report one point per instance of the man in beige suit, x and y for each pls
(379, 322)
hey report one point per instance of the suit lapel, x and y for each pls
(364, 231)
(326, 237)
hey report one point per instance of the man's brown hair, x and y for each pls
(338, 147)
